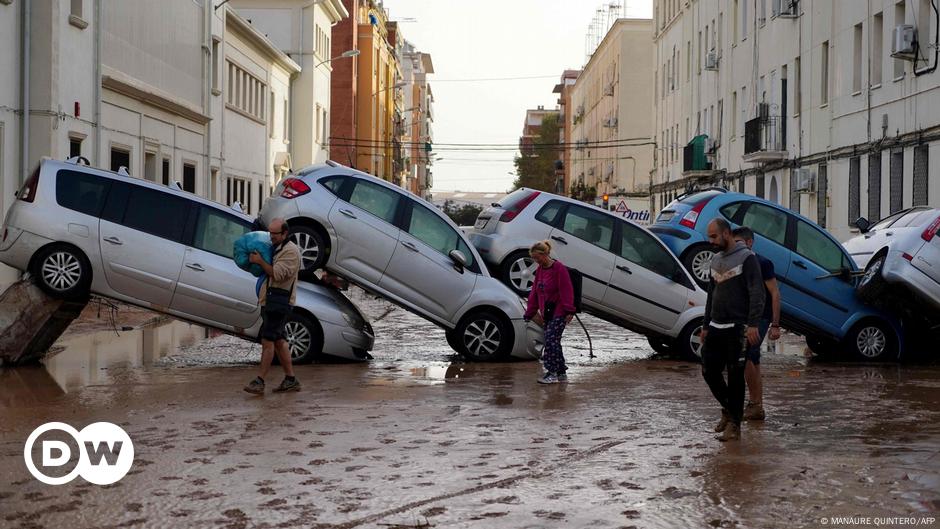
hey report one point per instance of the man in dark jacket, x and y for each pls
(732, 313)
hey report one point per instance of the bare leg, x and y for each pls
(283, 354)
(754, 388)
(267, 356)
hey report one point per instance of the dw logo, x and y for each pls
(105, 453)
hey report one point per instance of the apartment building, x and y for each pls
(826, 107)
(563, 89)
(417, 119)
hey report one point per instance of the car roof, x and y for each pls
(553, 196)
(733, 196)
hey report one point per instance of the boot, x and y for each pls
(732, 432)
(725, 419)
(754, 411)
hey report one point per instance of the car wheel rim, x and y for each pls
(871, 342)
(298, 338)
(701, 264)
(872, 271)
(61, 271)
(522, 273)
(695, 341)
(482, 338)
(309, 249)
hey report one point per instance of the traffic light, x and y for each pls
(606, 201)
(427, 146)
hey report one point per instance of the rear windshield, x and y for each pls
(514, 198)
(695, 198)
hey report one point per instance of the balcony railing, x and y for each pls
(764, 139)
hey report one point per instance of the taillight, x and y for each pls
(28, 192)
(691, 217)
(931, 230)
(907, 256)
(294, 187)
(517, 208)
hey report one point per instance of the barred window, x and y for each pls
(855, 206)
(794, 194)
(822, 195)
(246, 93)
(760, 186)
(920, 175)
(896, 183)
(874, 187)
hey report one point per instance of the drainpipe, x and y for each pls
(868, 90)
(97, 84)
(24, 93)
(207, 59)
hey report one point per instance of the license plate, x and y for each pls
(481, 223)
(666, 216)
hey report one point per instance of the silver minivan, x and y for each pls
(79, 229)
(630, 277)
(402, 248)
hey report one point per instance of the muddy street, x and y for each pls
(418, 438)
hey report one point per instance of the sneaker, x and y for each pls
(562, 377)
(256, 386)
(754, 412)
(548, 378)
(288, 385)
(725, 419)
(732, 432)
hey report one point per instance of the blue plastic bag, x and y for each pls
(255, 241)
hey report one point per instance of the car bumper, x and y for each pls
(346, 342)
(19, 248)
(278, 208)
(899, 270)
(529, 340)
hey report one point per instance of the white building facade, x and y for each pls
(802, 103)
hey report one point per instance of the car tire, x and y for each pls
(821, 346)
(63, 272)
(484, 336)
(518, 272)
(872, 285)
(304, 338)
(312, 245)
(697, 260)
(872, 340)
(689, 343)
(660, 345)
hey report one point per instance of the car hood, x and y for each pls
(331, 295)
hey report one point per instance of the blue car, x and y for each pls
(816, 275)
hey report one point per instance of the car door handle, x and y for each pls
(800, 264)
(624, 269)
(113, 240)
(559, 239)
(195, 266)
(409, 245)
(348, 213)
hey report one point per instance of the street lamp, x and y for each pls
(399, 84)
(345, 55)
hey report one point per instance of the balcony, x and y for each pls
(764, 140)
(694, 161)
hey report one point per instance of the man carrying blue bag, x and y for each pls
(277, 296)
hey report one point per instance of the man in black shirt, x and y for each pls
(732, 314)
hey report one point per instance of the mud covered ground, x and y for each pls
(417, 438)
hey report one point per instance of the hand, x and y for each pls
(753, 336)
(704, 334)
(539, 320)
(568, 318)
(774, 333)
(255, 258)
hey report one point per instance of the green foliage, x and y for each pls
(537, 170)
(465, 215)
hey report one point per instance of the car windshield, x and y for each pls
(694, 198)
(884, 223)
(514, 198)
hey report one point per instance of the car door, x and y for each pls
(584, 240)
(643, 286)
(421, 271)
(142, 248)
(211, 287)
(814, 288)
(364, 222)
(927, 258)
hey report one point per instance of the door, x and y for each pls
(810, 288)
(365, 230)
(584, 241)
(421, 271)
(927, 258)
(211, 287)
(642, 287)
(141, 242)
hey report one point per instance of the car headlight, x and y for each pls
(353, 321)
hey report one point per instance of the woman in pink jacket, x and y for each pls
(551, 305)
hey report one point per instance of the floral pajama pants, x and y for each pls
(552, 356)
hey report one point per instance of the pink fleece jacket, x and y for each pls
(552, 284)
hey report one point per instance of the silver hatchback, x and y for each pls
(78, 230)
(630, 277)
(400, 247)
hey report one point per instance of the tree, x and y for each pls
(537, 170)
(465, 215)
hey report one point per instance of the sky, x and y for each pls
(470, 41)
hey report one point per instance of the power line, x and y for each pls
(515, 144)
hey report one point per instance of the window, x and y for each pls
(286, 121)
(745, 21)
(824, 74)
(813, 244)
(217, 231)
(77, 6)
(915, 217)
(156, 213)
(759, 185)
(743, 109)
(855, 201)
(884, 223)
(734, 114)
(166, 171)
(797, 88)
(271, 115)
(75, 14)
(215, 67)
(245, 92)
(81, 192)
(150, 166)
(236, 190)
(549, 212)
(318, 129)
(729, 211)
(857, 60)
(767, 221)
(874, 187)
(375, 199)
(189, 177)
(436, 232)
(877, 52)
(333, 183)
(638, 247)
(763, 12)
(120, 158)
(822, 196)
(590, 226)
(920, 175)
(75, 147)
(899, 17)
(735, 21)
(896, 181)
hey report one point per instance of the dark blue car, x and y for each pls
(817, 277)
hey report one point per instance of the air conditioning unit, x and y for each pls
(902, 42)
(711, 61)
(786, 8)
(803, 180)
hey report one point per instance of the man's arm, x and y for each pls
(774, 300)
(286, 266)
(755, 294)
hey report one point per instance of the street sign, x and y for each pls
(622, 207)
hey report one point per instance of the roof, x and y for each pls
(261, 40)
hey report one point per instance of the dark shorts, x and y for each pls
(272, 324)
(753, 353)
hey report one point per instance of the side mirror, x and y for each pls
(862, 224)
(459, 258)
